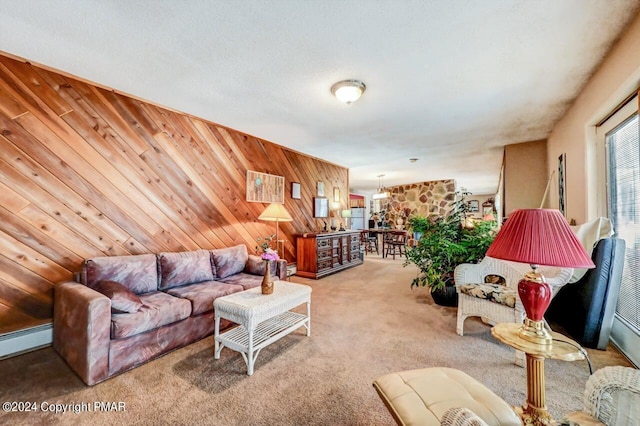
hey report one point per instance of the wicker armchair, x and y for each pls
(612, 396)
(495, 302)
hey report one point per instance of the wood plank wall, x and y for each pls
(86, 172)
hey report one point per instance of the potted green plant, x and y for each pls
(444, 244)
(418, 225)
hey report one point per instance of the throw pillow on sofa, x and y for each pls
(180, 268)
(122, 299)
(138, 273)
(230, 261)
(257, 266)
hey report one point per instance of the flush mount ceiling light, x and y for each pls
(348, 91)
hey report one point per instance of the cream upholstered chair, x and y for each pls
(445, 396)
(611, 396)
(431, 396)
(496, 302)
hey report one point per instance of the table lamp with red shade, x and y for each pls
(538, 237)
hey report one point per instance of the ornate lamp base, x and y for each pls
(535, 332)
(533, 416)
(534, 412)
(535, 295)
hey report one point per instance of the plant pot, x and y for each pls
(446, 296)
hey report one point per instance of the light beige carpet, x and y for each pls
(366, 322)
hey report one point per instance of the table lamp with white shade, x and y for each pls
(346, 215)
(276, 213)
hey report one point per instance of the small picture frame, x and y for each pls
(562, 185)
(320, 207)
(295, 190)
(474, 206)
(320, 189)
(336, 194)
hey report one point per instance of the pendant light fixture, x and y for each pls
(382, 192)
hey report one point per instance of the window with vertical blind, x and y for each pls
(623, 177)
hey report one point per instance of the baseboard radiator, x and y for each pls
(25, 340)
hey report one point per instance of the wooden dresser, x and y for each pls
(320, 254)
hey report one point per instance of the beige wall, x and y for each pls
(525, 175)
(481, 198)
(617, 77)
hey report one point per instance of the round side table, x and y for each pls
(534, 411)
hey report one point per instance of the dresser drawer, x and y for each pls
(325, 253)
(325, 264)
(323, 243)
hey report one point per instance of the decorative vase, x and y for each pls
(267, 280)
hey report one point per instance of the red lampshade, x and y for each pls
(539, 237)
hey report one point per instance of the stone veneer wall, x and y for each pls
(420, 199)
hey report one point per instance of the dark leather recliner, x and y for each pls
(585, 309)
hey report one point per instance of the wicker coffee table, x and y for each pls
(262, 319)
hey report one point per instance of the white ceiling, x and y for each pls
(448, 81)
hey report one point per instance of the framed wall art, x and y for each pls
(474, 206)
(320, 189)
(264, 188)
(336, 194)
(295, 190)
(562, 185)
(320, 207)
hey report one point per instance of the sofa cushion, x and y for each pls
(493, 292)
(256, 266)
(245, 280)
(159, 309)
(202, 295)
(230, 260)
(122, 299)
(182, 268)
(138, 273)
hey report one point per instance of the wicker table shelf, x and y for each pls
(262, 319)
